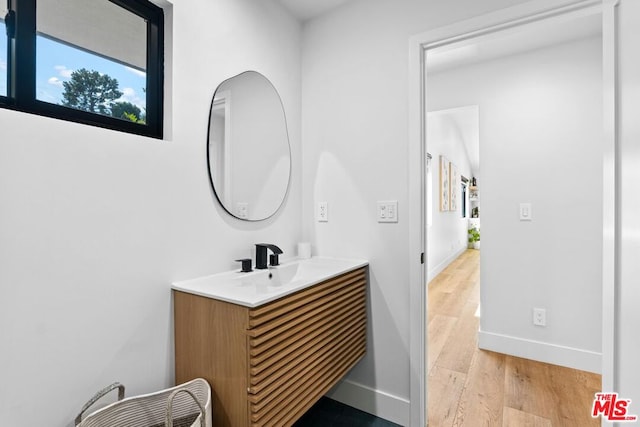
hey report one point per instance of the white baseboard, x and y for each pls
(575, 358)
(376, 402)
(433, 272)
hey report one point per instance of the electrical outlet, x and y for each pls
(242, 210)
(540, 317)
(323, 212)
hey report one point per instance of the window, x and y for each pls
(96, 62)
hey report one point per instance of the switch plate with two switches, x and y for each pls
(388, 211)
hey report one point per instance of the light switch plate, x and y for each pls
(525, 212)
(388, 211)
(323, 212)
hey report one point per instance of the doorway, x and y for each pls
(452, 166)
(455, 34)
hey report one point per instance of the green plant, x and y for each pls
(90, 91)
(474, 234)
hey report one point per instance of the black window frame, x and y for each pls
(21, 70)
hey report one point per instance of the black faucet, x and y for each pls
(261, 255)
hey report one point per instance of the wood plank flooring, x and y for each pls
(473, 387)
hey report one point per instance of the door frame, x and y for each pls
(508, 18)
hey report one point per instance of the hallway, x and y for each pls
(472, 387)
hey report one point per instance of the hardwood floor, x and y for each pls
(472, 387)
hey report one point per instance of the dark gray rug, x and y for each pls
(330, 413)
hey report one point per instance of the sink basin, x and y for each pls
(273, 277)
(261, 286)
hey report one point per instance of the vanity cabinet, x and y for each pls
(268, 365)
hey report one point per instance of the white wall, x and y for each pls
(540, 133)
(95, 224)
(447, 235)
(355, 152)
(365, 44)
(628, 374)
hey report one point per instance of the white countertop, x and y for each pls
(261, 286)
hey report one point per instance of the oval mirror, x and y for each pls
(248, 150)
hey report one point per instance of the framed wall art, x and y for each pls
(454, 183)
(444, 184)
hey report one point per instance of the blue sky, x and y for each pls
(56, 61)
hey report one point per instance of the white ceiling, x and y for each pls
(517, 40)
(466, 122)
(307, 9)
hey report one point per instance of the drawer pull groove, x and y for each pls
(267, 366)
(270, 330)
(259, 374)
(289, 300)
(291, 390)
(308, 310)
(304, 298)
(302, 365)
(314, 386)
(309, 325)
(289, 342)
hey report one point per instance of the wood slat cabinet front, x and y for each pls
(269, 364)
